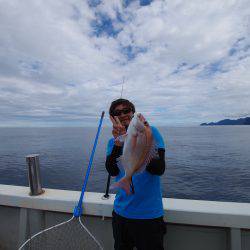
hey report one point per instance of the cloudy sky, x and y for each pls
(183, 62)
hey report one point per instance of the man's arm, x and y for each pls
(157, 165)
(111, 161)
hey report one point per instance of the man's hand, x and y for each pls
(118, 129)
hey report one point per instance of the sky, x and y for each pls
(183, 62)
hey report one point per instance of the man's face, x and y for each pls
(124, 118)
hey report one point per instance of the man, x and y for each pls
(137, 218)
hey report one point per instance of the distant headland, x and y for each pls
(241, 121)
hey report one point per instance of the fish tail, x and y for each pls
(125, 183)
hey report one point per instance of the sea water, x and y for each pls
(209, 163)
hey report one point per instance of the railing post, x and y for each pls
(23, 225)
(34, 174)
(235, 239)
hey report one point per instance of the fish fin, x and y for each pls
(151, 154)
(125, 184)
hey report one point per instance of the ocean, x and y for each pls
(208, 163)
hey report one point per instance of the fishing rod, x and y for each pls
(122, 86)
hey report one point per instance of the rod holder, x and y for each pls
(34, 174)
(106, 195)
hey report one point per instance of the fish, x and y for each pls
(138, 150)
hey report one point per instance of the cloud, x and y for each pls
(183, 62)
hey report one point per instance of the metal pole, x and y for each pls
(34, 174)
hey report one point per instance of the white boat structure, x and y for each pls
(192, 224)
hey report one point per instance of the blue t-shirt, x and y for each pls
(146, 202)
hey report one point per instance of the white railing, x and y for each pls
(235, 216)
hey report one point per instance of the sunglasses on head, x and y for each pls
(118, 112)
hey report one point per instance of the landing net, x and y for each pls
(71, 234)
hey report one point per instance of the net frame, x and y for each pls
(58, 225)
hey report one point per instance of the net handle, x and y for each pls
(78, 208)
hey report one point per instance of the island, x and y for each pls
(240, 121)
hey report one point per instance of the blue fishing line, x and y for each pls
(78, 208)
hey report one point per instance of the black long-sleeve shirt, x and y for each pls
(156, 166)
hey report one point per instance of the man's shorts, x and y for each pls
(144, 234)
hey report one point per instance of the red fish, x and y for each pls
(138, 150)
